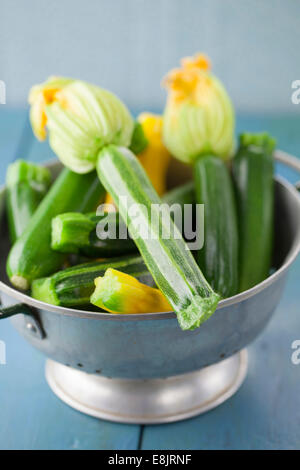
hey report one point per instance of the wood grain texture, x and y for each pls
(264, 414)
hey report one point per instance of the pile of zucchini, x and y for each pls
(58, 253)
(67, 253)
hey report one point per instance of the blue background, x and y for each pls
(128, 46)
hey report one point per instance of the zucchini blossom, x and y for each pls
(199, 117)
(118, 292)
(80, 118)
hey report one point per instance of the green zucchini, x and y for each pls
(91, 235)
(98, 236)
(26, 185)
(218, 258)
(168, 258)
(73, 286)
(253, 169)
(31, 256)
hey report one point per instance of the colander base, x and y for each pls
(150, 401)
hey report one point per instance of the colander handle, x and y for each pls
(32, 319)
(289, 160)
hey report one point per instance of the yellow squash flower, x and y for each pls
(118, 292)
(199, 117)
(80, 118)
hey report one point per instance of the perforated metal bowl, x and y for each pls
(127, 358)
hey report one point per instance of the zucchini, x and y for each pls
(118, 292)
(31, 256)
(73, 286)
(253, 169)
(218, 258)
(82, 234)
(90, 235)
(26, 185)
(168, 258)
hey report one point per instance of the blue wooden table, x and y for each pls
(264, 414)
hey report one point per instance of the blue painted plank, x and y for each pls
(12, 124)
(32, 417)
(265, 412)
